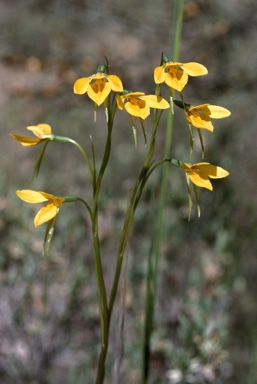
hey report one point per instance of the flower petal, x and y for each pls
(193, 69)
(81, 85)
(26, 141)
(159, 75)
(98, 75)
(136, 94)
(45, 214)
(33, 196)
(40, 130)
(217, 112)
(196, 176)
(115, 83)
(176, 78)
(200, 121)
(141, 109)
(213, 171)
(154, 101)
(201, 181)
(50, 197)
(57, 201)
(199, 107)
(120, 103)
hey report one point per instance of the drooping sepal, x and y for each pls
(39, 161)
(190, 200)
(143, 130)
(48, 236)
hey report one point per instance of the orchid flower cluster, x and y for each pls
(106, 89)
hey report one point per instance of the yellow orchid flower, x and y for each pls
(175, 74)
(42, 131)
(98, 86)
(46, 213)
(200, 173)
(200, 116)
(138, 104)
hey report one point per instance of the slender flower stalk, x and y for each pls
(102, 296)
(64, 139)
(134, 199)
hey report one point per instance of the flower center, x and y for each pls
(98, 84)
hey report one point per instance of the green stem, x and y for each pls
(102, 297)
(153, 260)
(73, 198)
(134, 199)
(179, 24)
(64, 139)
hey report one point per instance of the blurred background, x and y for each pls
(206, 315)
